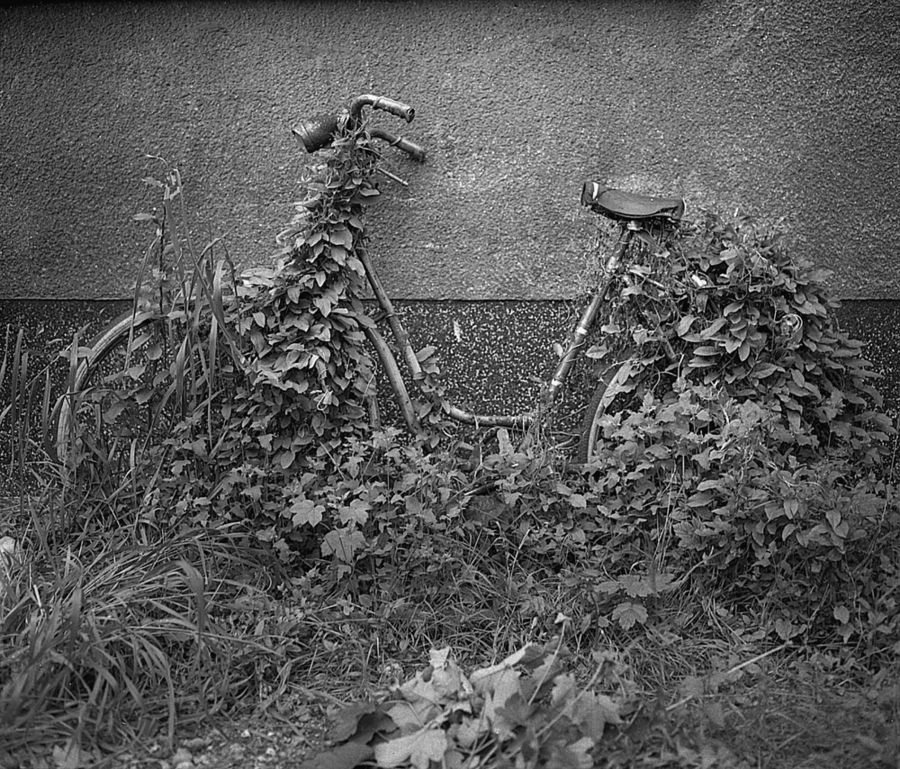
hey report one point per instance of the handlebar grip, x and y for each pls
(397, 108)
(415, 151)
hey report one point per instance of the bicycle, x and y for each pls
(639, 219)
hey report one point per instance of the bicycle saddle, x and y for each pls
(618, 204)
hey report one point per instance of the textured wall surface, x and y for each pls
(493, 354)
(783, 108)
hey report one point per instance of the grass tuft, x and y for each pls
(106, 645)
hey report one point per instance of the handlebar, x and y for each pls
(397, 108)
(415, 151)
(318, 132)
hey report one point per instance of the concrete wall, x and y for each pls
(784, 108)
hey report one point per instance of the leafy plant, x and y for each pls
(523, 711)
(750, 443)
(112, 642)
(243, 380)
(725, 304)
(294, 389)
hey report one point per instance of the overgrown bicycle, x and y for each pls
(127, 344)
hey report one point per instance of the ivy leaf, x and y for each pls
(323, 304)
(342, 543)
(763, 370)
(357, 512)
(710, 331)
(305, 512)
(684, 324)
(286, 458)
(341, 236)
(594, 711)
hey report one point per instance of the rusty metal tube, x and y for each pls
(393, 106)
(318, 131)
(395, 378)
(488, 420)
(577, 340)
(412, 149)
(397, 330)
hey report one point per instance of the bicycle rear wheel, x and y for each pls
(118, 404)
(617, 391)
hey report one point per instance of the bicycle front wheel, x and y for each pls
(117, 402)
(616, 392)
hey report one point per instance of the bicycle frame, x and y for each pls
(319, 133)
(570, 356)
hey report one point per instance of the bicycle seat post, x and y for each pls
(583, 327)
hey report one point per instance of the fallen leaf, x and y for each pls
(347, 720)
(71, 756)
(419, 749)
(346, 756)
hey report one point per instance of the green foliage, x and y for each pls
(740, 468)
(746, 456)
(302, 321)
(299, 402)
(242, 383)
(119, 639)
(702, 477)
(725, 304)
(748, 440)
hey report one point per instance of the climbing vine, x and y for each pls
(298, 393)
(725, 304)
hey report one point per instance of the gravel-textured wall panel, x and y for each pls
(494, 354)
(782, 108)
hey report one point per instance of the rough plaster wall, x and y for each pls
(784, 108)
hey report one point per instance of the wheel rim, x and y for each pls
(614, 387)
(87, 411)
